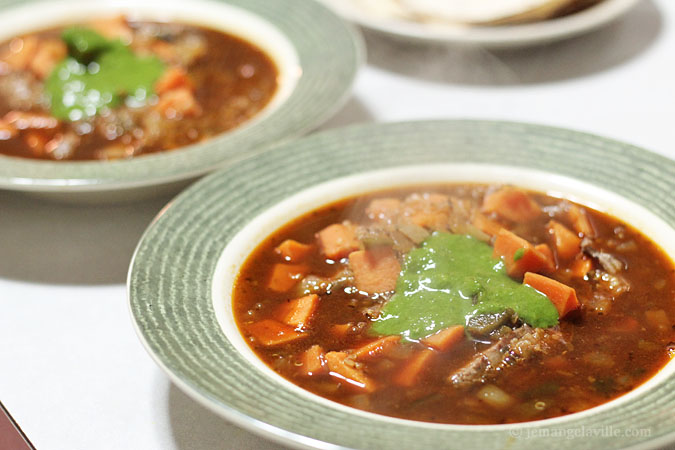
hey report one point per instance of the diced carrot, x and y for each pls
(49, 53)
(445, 338)
(626, 324)
(512, 204)
(36, 140)
(284, 276)
(427, 201)
(519, 255)
(658, 319)
(174, 77)
(292, 250)
(22, 120)
(563, 297)
(270, 333)
(338, 240)
(113, 28)
(375, 348)
(298, 312)
(386, 209)
(37, 129)
(410, 373)
(580, 221)
(545, 250)
(432, 220)
(486, 225)
(61, 146)
(508, 243)
(20, 52)
(165, 51)
(580, 267)
(7, 131)
(566, 244)
(177, 103)
(313, 361)
(116, 150)
(340, 330)
(340, 367)
(375, 270)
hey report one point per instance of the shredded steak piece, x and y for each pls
(375, 235)
(521, 344)
(609, 262)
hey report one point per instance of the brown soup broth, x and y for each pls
(227, 81)
(615, 342)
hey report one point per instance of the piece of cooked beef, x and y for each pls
(482, 326)
(609, 262)
(517, 346)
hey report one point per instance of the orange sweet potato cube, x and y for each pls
(512, 204)
(313, 361)
(519, 255)
(340, 330)
(284, 276)
(545, 250)
(580, 221)
(375, 270)
(7, 131)
(49, 53)
(386, 209)
(563, 297)
(485, 224)
(412, 371)
(375, 348)
(298, 312)
(580, 267)
(340, 367)
(270, 333)
(338, 240)
(179, 102)
(19, 55)
(173, 78)
(566, 243)
(293, 251)
(113, 28)
(445, 338)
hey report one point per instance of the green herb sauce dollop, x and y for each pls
(99, 73)
(451, 278)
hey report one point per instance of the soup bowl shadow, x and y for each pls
(52, 242)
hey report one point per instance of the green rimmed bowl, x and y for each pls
(317, 54)
(178, 280)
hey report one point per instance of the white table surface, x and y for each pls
(72, 371)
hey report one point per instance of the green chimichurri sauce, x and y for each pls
(451, 278)
(99, 73)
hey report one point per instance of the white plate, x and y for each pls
(503, 36)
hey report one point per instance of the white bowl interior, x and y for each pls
(245, 242)
(216, 15)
